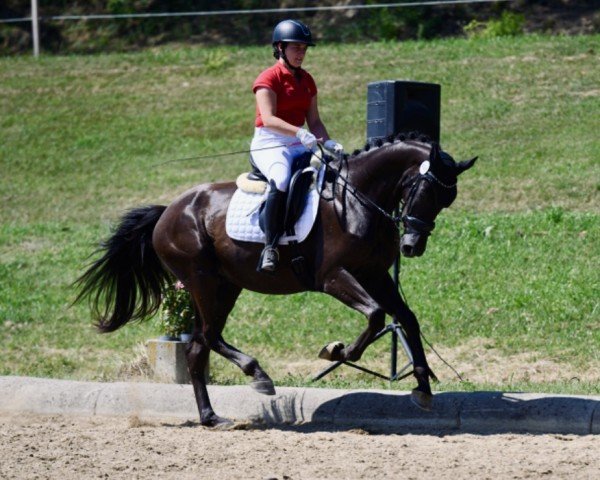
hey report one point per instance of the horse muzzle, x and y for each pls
(414, 239)
(413, 244)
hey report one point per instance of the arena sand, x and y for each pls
(65, 447)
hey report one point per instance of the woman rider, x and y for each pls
(286, 99)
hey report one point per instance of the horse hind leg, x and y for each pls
(216, 301)
(202, 290)
(197, 358)
(261, 382)
(227, 295)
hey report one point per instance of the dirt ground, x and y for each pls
(35, 446)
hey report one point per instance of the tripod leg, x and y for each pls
(329, 369)
(400, 334)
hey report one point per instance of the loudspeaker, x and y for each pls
(395, 106)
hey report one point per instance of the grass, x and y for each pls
(511, 272)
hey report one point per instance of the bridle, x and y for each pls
(412, 224)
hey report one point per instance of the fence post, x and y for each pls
(35, 28)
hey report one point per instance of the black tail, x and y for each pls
(126, 283)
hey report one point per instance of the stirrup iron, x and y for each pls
(269, 259)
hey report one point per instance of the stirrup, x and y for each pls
(269, 259)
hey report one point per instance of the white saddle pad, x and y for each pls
(242, 216)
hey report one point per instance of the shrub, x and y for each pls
(509, 24)
(177, 313)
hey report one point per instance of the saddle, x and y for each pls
(304, 170)
(244, 221)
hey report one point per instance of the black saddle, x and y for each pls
(300, 182)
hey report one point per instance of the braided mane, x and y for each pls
(401, 137)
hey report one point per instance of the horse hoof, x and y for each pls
(265, 387)
(332, 351)
(422, 400)
(214, 421)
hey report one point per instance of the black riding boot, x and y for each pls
(273, 214)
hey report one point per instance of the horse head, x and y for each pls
(429, 191)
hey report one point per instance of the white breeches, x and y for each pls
(275, 163)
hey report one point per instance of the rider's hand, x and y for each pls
(334, 146)
(307, 139)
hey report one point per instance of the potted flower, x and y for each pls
(176, 319)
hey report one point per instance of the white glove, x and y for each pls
(307, 139)
(334, 146)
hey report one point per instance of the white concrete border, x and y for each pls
(380, 410)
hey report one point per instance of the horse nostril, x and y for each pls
(407, 250)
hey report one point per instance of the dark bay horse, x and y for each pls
(349, 251)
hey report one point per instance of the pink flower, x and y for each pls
(179, 285)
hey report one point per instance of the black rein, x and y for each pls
(412, 223)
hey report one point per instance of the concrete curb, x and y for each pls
(378, 410)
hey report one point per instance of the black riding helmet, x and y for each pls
(290, 31)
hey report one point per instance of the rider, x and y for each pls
(286, 98)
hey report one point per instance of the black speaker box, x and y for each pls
(395, 106)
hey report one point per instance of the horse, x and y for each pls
(348, 253)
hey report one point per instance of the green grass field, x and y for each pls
(508, 290)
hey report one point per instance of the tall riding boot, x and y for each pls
(274, 212)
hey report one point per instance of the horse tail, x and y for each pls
(127, 282)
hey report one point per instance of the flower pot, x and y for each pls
(168, 338)
(185, 337)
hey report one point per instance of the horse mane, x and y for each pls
(393, 139)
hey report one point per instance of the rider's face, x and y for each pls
(295, 53)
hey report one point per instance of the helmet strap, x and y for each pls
(294, 70)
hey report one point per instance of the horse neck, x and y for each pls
(379, 172)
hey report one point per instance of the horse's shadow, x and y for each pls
(483, 413)
(475, 412)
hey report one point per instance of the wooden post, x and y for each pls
(35, 28)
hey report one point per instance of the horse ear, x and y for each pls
(462, 166)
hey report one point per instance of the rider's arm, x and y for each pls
(313, 120)
(266, 99)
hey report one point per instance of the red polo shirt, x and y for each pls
(293, 94)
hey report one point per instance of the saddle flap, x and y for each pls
(300, 184)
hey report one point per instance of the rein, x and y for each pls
(413, 224)
(361, 197)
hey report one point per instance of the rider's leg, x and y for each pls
(275, 164)
(273, 225)
(272, 153)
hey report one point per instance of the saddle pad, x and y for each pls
(242, 217)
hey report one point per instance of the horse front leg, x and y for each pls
(344, 286)
(375, 294)
(386, 293)
(421, 395)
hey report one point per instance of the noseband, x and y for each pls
(412, 224)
